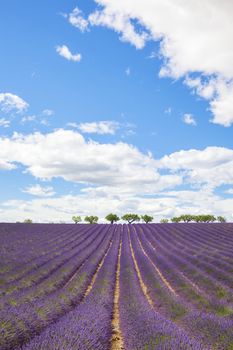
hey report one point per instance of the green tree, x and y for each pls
(147, 218)
(91, 219)
(164, 221)
(28, 221)
(208, 218)
(197, 218)
(175, 219)
(76, 219)
(112, 218)
(221, 219)
(186, 218)
(130, 218)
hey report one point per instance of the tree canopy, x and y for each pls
(76, 219)
(207, 218)
(28, 221)
(112, 218)
(131, 218)
(91, 219)
(147, 218)
(164, 221)
(221, 219)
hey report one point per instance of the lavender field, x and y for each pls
(102, 287)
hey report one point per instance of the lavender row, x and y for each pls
(50, 268)
(60, 277)
(28, 319)
(142, 326)
(88, 326)
(216, 331)
(183, 240)
(212, 284)
(36, 250)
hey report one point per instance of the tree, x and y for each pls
(197, 218)
(112, 218)
(76, 219)
(175, 219)
(208, 218)
(147, 218)
(164, 221)
(91, 219)
(28, 221)
(221, 219)
(130, 218)
(186, 218)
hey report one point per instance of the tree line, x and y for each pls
(198, 218)
(113, 218)
(130, 218)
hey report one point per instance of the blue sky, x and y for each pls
(115, 105)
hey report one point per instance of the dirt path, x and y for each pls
(117, 339)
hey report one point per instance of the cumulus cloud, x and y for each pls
(211, 167)
(65, 52)
(39, 191)
(62, 208)
(12, 103)
(189, 119)
(5, 165)
(193, 37)
(116, 176)
(66, 154)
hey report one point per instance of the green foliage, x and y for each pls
(147, 218)
(221, 219)
(164, 221)
(186, 218)
(112, 218)
(91, 219)
(196, 218)
(28, 221)
(175, 219)
(131, 218)
(76, 219)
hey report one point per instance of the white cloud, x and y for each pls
(4, 123)
(48, 112)
(64, 207)
(219, 92)
(102, 127)
(64, 51)
(222, 105)
(194, 37)
(28, 118)
(12, 103)
(189, 119)
(5, 165)
(77, 20)
(39, 191)
(122, 24)
(66, 154)
(230, 191)
(211, 167)
(115, 177)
